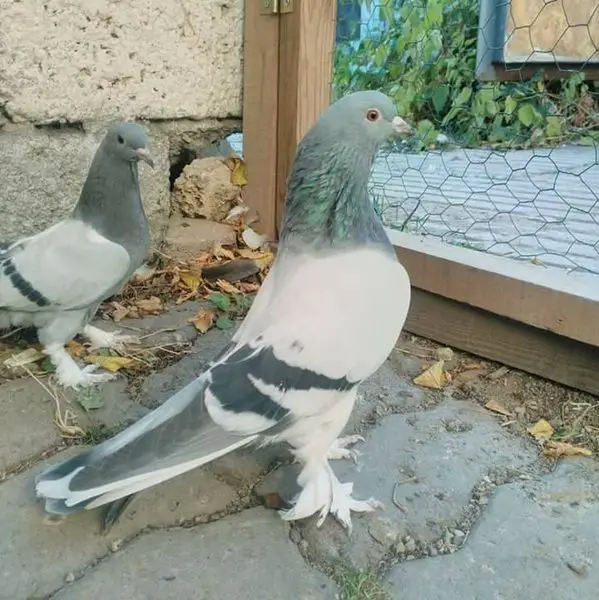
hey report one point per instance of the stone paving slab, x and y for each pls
(536, 540)
(37, 552)
(27, 411)
(444, 455)
(245, 557)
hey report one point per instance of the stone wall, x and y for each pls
(68, 68)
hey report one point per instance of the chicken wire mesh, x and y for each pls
(510, 168)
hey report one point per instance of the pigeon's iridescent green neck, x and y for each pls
(327, 202)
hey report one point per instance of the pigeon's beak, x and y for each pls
(400, 126)
(144, 154)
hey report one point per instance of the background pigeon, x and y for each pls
(55, 280)
(327, 316)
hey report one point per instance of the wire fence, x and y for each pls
(506, 167)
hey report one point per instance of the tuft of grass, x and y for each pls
(355, 584)
(98, 433)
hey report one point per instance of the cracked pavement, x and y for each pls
(472, 513)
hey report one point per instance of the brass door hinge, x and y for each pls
(275, 7)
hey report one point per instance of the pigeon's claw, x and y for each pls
(106, 339)
(341, 448)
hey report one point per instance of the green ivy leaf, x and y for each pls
(510, 105)
(224, 322)
(220, 301)
(439, 97)
(554, 127)
(527, 115)
(463, 97)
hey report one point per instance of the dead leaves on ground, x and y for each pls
(435, 377)
(228, 270)
(542, 431)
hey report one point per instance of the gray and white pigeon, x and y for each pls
(56, 280)
(326, 317)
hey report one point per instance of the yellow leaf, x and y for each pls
(262, 259)
(23, 358)
(151, 305)
(541, 430)
(192, 279)
(110, 363)
(496, 407)
(562, 449)
(203, 320)
(433, 377)
(239, 170)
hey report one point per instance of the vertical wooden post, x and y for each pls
(260, 102)
(288, 63)
(306, 54)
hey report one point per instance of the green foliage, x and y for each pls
(425, 60)
(233, 306)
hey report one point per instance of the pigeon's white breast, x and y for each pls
(344, 310)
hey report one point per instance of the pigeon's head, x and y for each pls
(364, 117)
(129, 142)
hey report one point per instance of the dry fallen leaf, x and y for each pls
(192, 279)
(226, 287)
(247, 287)
(563, 449)
(26, 357)
(434, 377)
(220, 252)
(541, 430)
(252, 239)
(496, 407)
(237, 211)
(151, 305)
(120, 311)
(203, 320)
(110, 363)
(76, 349)
(239, 170)
(262, 259)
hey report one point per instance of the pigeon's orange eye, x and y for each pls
(373, 114)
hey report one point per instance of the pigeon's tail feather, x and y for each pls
(62, 497)
(178, 436)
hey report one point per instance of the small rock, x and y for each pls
(458, 536)
(115, 546)
(411, 545)
(204, 190)
(432, 551)
(445, 354)
(382, 531)
(399, 548)
(69, 578)
(187, 238)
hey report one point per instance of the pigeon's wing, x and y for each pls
(67, 266)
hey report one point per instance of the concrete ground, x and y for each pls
(472, 513)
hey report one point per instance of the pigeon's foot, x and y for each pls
(99, 338)
(343, 504)
(70, 375)
(341, 448)
(325, 494)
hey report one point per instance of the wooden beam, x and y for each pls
(306, 43)
(503, 340)
(547, 298)
(260, 108)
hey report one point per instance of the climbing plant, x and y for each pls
(424, 57)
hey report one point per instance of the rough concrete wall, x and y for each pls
(68, 68)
